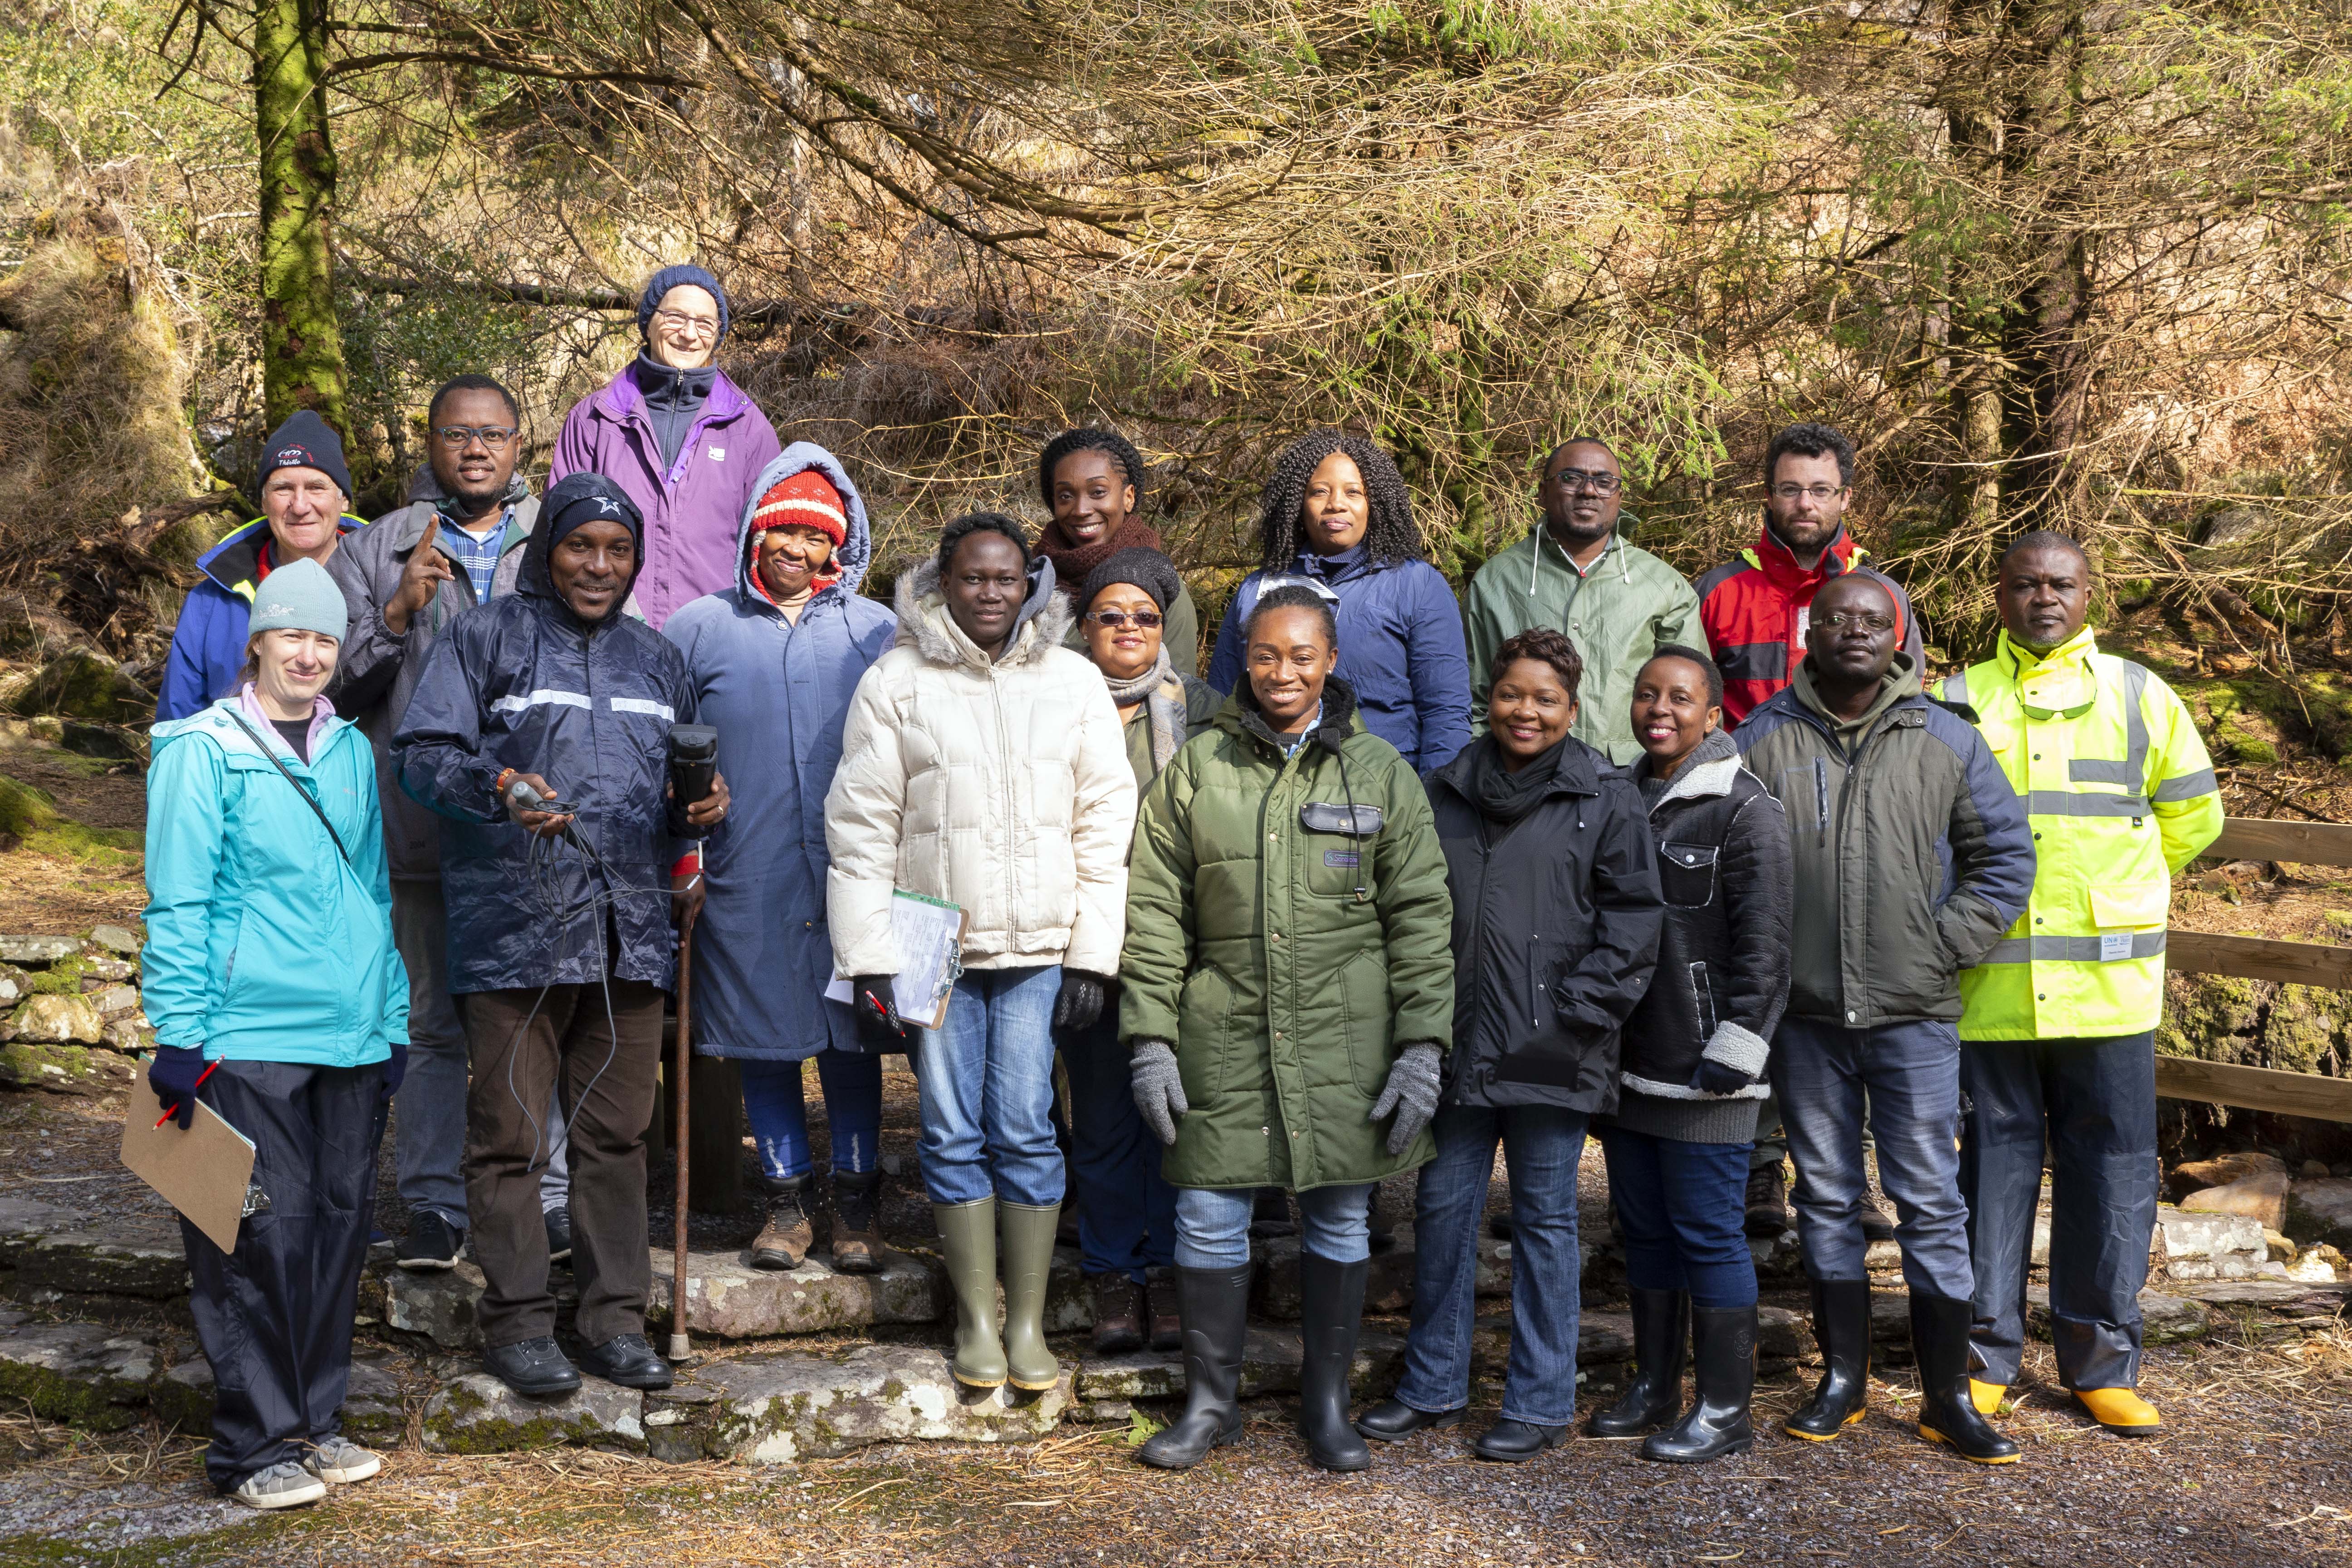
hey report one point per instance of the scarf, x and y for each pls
(1163, 710)
(1072, 561)
(1503, 796)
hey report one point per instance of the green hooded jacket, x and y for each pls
(1630, 604)
(1288, 963)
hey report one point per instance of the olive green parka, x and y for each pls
(1288, 964)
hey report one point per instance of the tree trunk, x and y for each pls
(302, 330)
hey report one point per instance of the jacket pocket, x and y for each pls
(2130, 909)
(1686, 873)
(1337, 864)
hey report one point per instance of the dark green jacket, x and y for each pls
(1286, 990)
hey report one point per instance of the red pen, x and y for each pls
(171, 1111)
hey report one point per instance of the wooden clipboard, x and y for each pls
(202, 1169)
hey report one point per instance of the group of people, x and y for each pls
(1608, 853)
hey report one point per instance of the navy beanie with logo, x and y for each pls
(304, 441)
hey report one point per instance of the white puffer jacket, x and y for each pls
(1003, 788)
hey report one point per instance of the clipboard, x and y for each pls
(930, 935)
(203, 1170)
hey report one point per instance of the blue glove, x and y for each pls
(172, 1075)
(396, 1068)
(1714, 1078)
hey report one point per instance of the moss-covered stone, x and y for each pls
(64, 1069)
(78, 684)
(477, 1414)
(79, 1374)
(2302, 1029)
(2212, 1017)
(29, 817)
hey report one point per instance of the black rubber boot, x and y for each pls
(1661, 1332)
(1331, 1309)
(1717, 1422)
(1841, 1326)
(1214, 1303)
(1948, 1415)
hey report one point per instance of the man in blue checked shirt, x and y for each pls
(458, 544)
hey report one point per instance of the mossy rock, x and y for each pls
(29, 817)
(2212, 1017)
(79, 1374)
(477, 1414)
(81, 685)
(64, 1069)
(2302, 1028)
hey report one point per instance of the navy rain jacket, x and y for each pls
(521, 682)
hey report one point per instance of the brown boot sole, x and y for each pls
(857, 1253)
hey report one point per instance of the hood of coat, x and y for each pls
(1710, 769)
(925, 625)
(1339, 720)
(534, 582)
(857, 551)
(1900, 681)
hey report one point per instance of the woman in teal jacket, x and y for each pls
(279, 1002)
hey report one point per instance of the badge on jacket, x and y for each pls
(717, 453)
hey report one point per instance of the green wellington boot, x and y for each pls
(1028, 1260)
(968, 1239)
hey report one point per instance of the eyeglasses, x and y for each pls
(1817, 494)
(1840, 620)
(1114, 619)
(1573, 480)
(457, 438)
(678, 321)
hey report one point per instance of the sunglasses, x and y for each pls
(1114, 619)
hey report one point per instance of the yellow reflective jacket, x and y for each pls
(2121, 795)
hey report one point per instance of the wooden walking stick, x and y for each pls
(678, 1345)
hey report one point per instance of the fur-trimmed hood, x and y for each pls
(925, 625)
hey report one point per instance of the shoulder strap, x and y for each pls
(315, 810)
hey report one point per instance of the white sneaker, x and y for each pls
(341, 1461)
(286, 1485)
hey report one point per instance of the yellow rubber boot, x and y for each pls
(1988, 1397)
(2121, 1411)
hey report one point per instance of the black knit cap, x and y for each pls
(1146, 569)
(305, 441)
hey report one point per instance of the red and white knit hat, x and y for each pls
(808, 499)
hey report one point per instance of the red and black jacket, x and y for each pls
(1754, 613)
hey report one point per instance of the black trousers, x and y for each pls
(274, 1316)
(524, 1043)
(2091, 1104)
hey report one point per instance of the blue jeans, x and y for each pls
(1912, 1073)
(1542, 1146)
(773, 1105)
(1213, 1224)
(1127, 1210)
(1680, 1212)
(2092, 1102)
(987, 1083)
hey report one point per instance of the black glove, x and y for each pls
(172, 1075)
(396, 1068)
(869, 998)
(1081, 1001)
(1714, 1078)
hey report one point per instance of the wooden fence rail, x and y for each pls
(2257, 958)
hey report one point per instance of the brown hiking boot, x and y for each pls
(856, 1222)
(1166, 1321)
(1767, 1201)
(1119, 1314)
(784, 1240)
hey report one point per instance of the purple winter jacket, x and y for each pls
(693, 509)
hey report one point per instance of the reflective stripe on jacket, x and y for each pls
(1755, 611)
(2121, 795)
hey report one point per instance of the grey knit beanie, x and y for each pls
(300, 596)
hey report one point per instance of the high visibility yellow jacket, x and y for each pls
(2121, 794)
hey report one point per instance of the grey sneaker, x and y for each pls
(286, 1485)
(338, 1461)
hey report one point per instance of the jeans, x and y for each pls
(986, 1077)
(429, 1133)
(1213, 1224)
(1541, 1146)
(1127, 1210)
(1912, 1074)
(772, 1104)
(2093, 1103)
(1680, 1212)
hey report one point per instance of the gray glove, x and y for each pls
(1410, 1092)
(1158, 1087)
